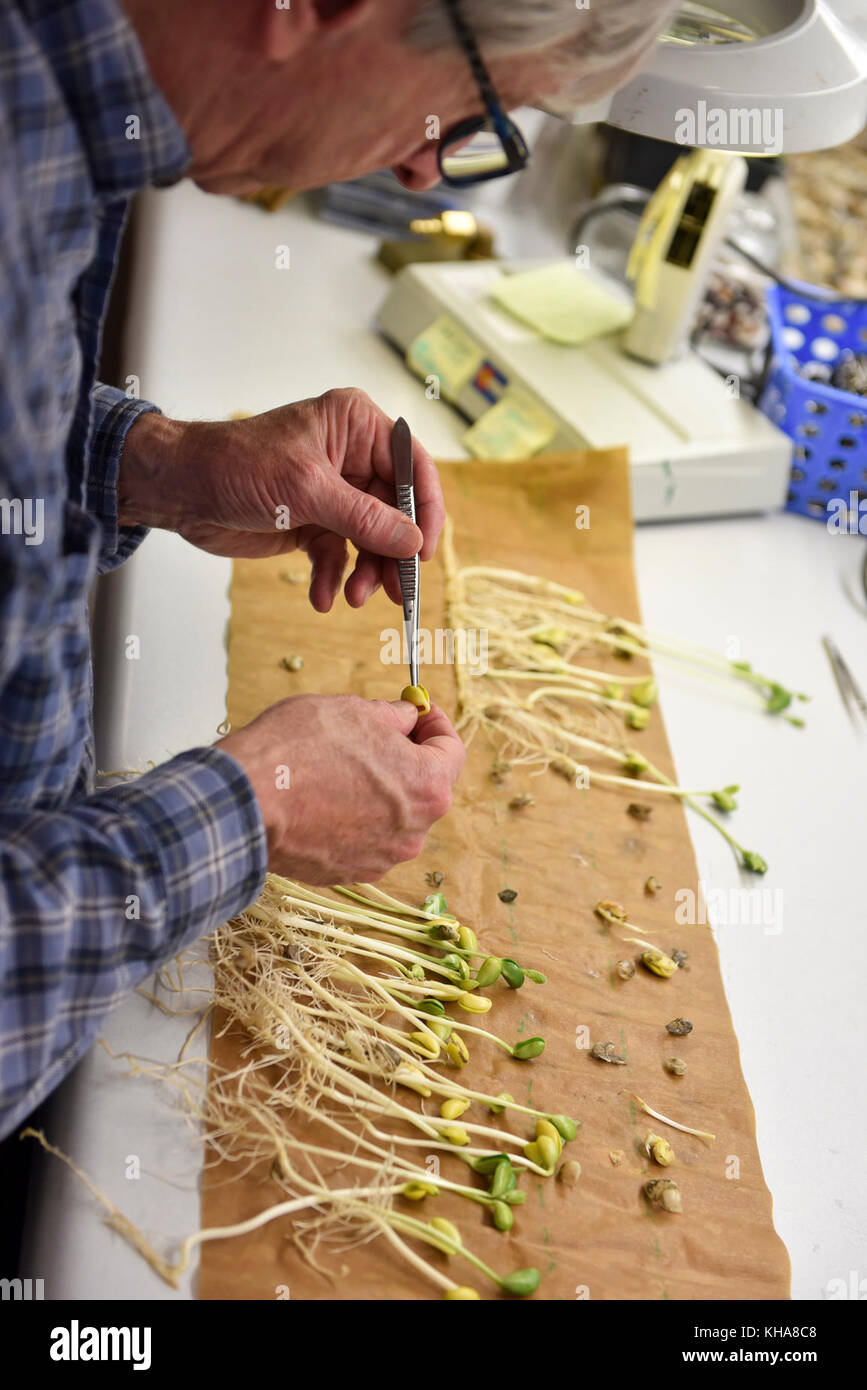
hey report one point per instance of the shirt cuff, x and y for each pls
(201, 816)
(114, 414)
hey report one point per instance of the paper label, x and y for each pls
(445, 351)
(516, 427)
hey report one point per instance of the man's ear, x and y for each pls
(286, 24)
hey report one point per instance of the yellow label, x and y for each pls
(515, 428)
(445, 351)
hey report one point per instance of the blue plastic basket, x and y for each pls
(828, 426)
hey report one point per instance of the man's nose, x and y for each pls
(420, 171)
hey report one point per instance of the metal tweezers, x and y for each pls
(850, 692)
(401, 457)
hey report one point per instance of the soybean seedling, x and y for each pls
(540, 686)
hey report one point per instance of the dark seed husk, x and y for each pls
(606, 1052)
(679, 1027)
(663, 1192)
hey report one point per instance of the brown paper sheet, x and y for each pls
(598, 1240)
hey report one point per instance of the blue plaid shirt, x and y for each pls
(96, 887)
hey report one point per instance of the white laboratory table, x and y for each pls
(215, 327)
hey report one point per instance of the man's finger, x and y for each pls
(367, 575)
(430, 508)
(366, 521)
(429, 505)
(391, 581)
(364, 580)
(328, 556)
(397, 714)
(436, 735)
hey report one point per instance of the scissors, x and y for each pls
(408, 571)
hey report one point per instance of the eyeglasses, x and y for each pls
(483, 147)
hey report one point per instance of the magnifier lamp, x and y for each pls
(762, 78)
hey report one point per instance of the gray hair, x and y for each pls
(588, 39)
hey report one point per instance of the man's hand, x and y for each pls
(360, 795)
(307, 476)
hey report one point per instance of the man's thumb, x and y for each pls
(369, 523)
(399, 714)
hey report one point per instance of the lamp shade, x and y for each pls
(760, 77)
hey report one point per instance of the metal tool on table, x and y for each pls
(850, 692)
(408, 570)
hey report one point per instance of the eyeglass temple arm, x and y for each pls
(467, 40)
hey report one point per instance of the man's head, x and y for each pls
(300, 93)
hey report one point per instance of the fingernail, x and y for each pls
(401, 532)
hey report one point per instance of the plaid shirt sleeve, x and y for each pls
(113, 415)
(93, 897)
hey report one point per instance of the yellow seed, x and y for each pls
(548, 1151)
(454, 1134)
(498, 1109)
(426, 1043)
(569, 1172)
(413, 1078)
(659, 1149)
(447, 1229)
(475, 1003)
(659, 963)
(610, 911)
(457, 1050)
(533, 1152)
(545, 1127)
(468, 939)
(460, 1293)
(551, 637)
(418, 696)
(454, 1108)
(417, 1191)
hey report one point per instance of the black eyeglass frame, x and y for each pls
(510, 137)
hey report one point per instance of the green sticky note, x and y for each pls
(515, 428)
(562, 302)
